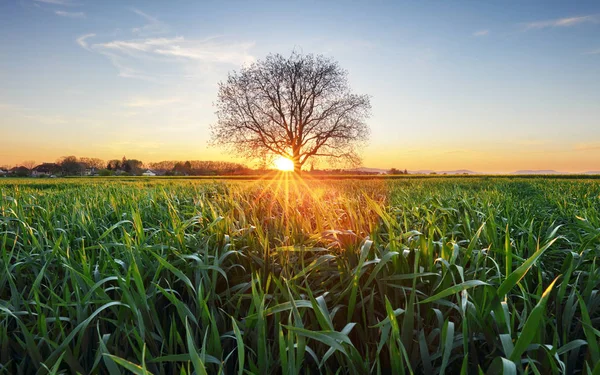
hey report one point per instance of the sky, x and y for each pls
(486, 86)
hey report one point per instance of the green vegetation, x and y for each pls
(458, 275)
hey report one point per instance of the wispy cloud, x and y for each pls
(593, 52)
(153, 27)
(56, 2)
(532, 142)
(142, 58)
(14, 108)
(133, 147)
(162, 59)
(151, 102)
(562, 22)
(6, 106)
(587, 146)
(47, 119)
(82, 40)
(70, 14)
(481, 32)
(460, 151)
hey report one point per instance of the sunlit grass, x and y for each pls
(290, 275)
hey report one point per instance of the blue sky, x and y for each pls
(488, 86)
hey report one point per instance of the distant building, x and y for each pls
(149, 173)
(3, 172)
(90, 172)
(45, 170)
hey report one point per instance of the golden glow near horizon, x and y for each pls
(283, 164)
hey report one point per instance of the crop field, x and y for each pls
(406, 276)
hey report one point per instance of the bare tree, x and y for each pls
(29, 164)
(299, 107)
(92, 162)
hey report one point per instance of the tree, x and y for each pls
(71, 166)
(162, 166)
(92, 163)
(182, 168)
(21, 171)
(29, 164)
(299, 107)
(113, 165)
(125, 166)
(133, 166)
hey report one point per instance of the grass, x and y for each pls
(458, 275)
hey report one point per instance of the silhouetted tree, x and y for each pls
(29, 164)
(134, 166)
(92, 163)
(162, 166)
(70, 166)
(20, 171)
(125, 165)
(182, 168)
(299, 107)
(113, 165)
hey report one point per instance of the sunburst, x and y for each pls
(283, 164)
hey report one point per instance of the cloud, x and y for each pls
(162, 59)
(533, 142)
(70, 14)
(47, 119)
(6, 106)
(153, 27)
(588, 146)
(133, 147)
(56, 2)
(143, 58)
(562, 22)
(460, 151)
(481, 33)
(593, 52)
(82, 40)
(14, 108)
(150, 102)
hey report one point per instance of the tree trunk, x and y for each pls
(296, 160)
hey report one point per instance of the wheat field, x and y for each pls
(288, 276)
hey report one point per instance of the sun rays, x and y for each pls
(293, 193)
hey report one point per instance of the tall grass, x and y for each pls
(406, 276)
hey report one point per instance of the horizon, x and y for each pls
(492, 88)
(361, 169)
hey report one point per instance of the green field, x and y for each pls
(437, 275)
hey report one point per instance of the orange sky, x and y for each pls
(491, 158)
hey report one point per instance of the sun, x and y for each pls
(284, 164)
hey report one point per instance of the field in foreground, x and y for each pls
(477, 275)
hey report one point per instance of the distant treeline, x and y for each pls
(198, 168)
(84, 166)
